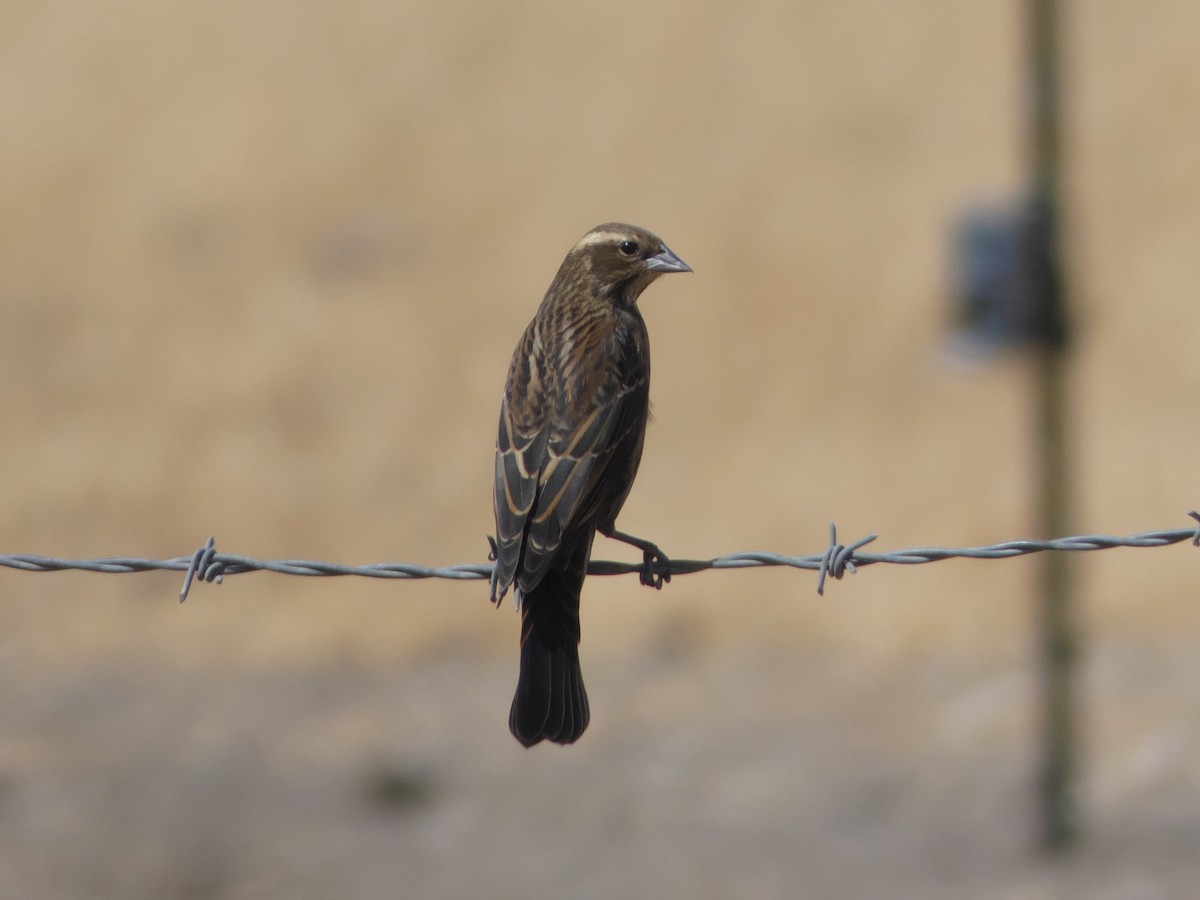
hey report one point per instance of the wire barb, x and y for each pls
(205, 565)
(838, 558)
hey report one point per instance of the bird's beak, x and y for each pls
(667, 262)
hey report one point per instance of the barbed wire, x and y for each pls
(207, 564)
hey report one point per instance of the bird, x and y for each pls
(572, 423)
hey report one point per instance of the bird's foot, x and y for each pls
(656, 565)
(492, 579)
(656, 568)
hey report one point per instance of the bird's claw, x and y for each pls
(656, 568)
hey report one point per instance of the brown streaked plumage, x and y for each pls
(572, 422)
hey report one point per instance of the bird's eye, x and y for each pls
(628, 248)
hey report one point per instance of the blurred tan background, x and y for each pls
(262, 267)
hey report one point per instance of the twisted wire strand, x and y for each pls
(207, 564)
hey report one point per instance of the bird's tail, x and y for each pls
(550, 702)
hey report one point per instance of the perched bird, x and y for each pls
(572, 421)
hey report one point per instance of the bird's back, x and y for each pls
(572, 422)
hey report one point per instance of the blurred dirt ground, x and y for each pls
(261, 270)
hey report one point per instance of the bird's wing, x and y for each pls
(520, 456)
(577, 480)
(558, 475)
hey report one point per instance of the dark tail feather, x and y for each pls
(550, 702)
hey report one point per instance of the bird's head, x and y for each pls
(621, 260)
